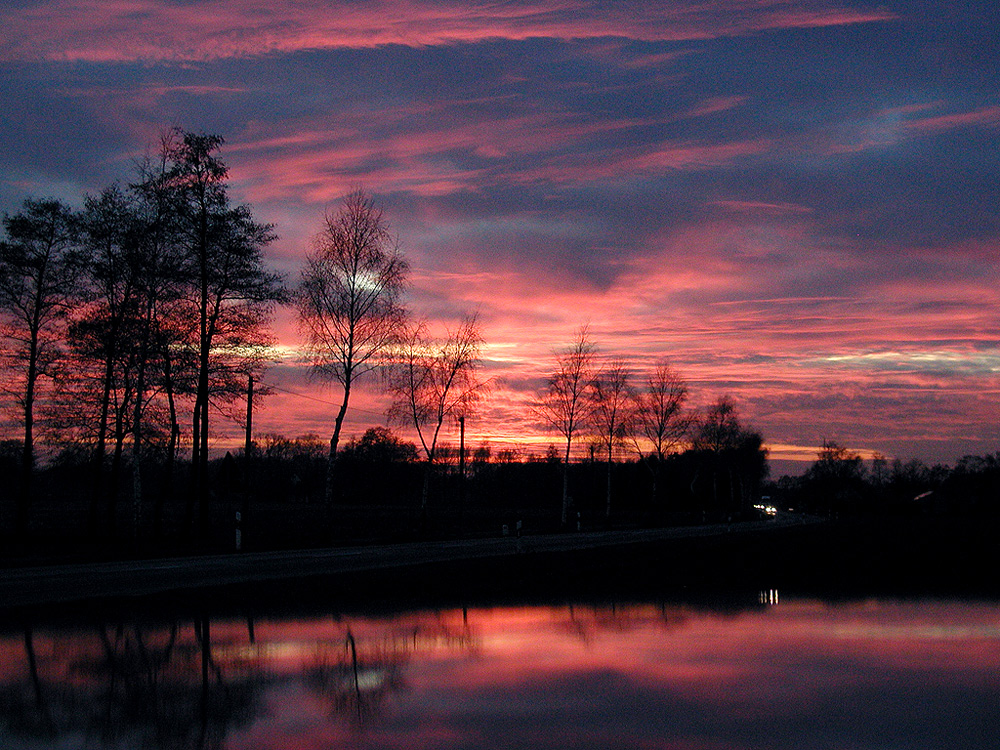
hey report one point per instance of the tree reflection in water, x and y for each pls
(26, 703)
(132, 684)
(356, 686)
(356, 678)
(740, 674)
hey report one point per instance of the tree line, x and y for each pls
(145, 314)
(154, 292)
(621, 413)
(840, 483)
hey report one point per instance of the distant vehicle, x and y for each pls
(768, 510)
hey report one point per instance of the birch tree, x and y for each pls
(349, 302)
(563, 404)
(611, 401)
(434, 382)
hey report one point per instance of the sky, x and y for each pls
(794, 203)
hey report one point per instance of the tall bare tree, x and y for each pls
(564, 403)
(157, 261)
(660, 423)
(231, 293)
(610, 404)
(131, 322)
(433, 382)
(349, 301)
(733, 452)
(39, 268)
(108, 228)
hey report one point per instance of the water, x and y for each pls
(762, 672)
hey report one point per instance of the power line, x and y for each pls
(318, 400)
(527, 446)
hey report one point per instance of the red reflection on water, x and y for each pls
(626, 676)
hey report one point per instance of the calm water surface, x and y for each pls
(767, 673)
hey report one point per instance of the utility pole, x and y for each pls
(249, 444)
(461, 459)
(248, 450)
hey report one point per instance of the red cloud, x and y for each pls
(98, 31)
(988, 116)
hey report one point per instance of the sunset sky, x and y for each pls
(796, 203)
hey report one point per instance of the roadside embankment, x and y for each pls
(64, 583)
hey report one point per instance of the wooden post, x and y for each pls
(248, 450)
(249, 444)
(461, 459)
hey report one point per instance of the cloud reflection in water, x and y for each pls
(772, 676)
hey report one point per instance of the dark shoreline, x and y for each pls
(68, 582)
(833, 560)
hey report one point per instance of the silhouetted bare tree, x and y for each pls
(564, 404)
(231, 293)
(133, 278)
(108, 231)
(349, 301)
(732, 450)
(39, 269)
(435, 381)
(611, 403)
(659, 421)
(836, 480)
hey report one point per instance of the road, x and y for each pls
(64, 583)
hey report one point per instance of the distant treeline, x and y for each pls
(841, 484)
(280, 495)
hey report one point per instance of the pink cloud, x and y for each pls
(715, 105)
(459, 148)
(96, 31)
(985, 116)
(761, 207)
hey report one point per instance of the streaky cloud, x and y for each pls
(95, 31)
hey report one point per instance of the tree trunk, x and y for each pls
(191, 495)
(100, 450)
(136, 477)
(331, 461)
(28, 451)
(140, 388)
(248, 452)
(564, 518)
(204, 342)
(607, 507)
(167, 490)
(427, 485)
(203, 456)
(116, 470)
(461, 462)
